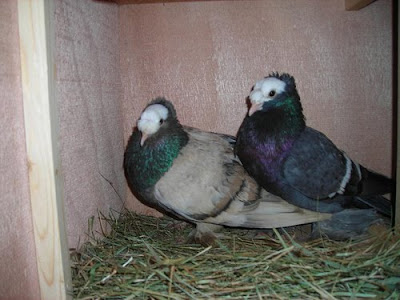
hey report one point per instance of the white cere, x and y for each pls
(266, 90)
(152, 118)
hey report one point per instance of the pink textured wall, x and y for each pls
(89, 93)
(19, 277)
(205, 57)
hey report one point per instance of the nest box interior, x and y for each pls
(75, 76)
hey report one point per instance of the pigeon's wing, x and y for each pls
(316, 167)
(207, 184)
(269, 211)
(228, 138)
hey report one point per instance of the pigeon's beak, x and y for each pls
(143, 139)
(254, 107)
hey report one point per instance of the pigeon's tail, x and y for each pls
(349, 223)
(274, 212)
(373, 183)
(379, 203)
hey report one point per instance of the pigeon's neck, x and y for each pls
(283, 122)
(278, 127)
(292, 122)
(156, 157)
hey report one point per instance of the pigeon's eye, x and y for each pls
(272, 93)
(161, 121)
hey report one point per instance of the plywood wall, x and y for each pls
(89, 93)
(206, 56)
(19, 277)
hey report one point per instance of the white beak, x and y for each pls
(143, 139)
(254, 107)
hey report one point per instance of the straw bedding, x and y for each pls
(144, 257)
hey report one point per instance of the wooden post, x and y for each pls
(36, 31)
(356, 4)
(397, 205)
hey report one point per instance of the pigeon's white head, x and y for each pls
(265, 90)
(151, 120)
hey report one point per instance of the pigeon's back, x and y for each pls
(203, 170)
(207, 183)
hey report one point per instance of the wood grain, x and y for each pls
(122, 2)
(397, 204)
(349, 4)
(35, 18)
(356, 4)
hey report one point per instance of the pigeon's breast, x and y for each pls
(193, 184)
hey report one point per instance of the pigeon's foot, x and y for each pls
(205, 234)
(347, 224)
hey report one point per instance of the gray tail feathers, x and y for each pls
(349, 223)
(373, 183)
(379, 203)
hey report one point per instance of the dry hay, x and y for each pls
(145, 258)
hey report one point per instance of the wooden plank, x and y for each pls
(35, 18)
(122, 2)
(349, 4)
(356, 4)
(397, 204)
